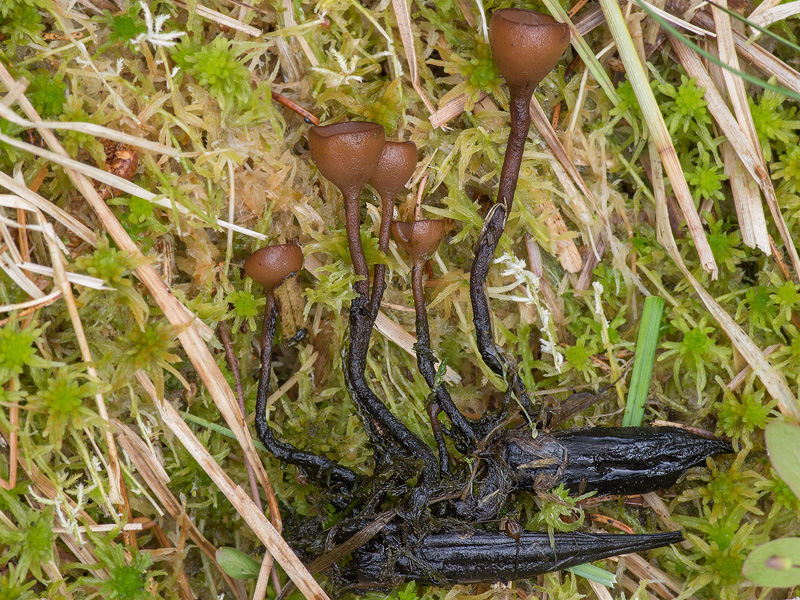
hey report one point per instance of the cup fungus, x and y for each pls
(395, 167)
(420, 238)
(526, 45)
(270, 267)
(347, 154)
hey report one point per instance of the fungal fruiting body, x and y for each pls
(270, 267)
(526, 45)
(416, 517)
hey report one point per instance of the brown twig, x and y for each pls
(292, 105)
(606, 520)
(233, 363)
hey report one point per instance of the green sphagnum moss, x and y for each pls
(210, 95)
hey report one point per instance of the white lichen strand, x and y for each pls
(528, 283)
(154, 35)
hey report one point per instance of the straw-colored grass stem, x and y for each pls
(658, 130)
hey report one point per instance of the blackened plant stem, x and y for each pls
(383, 425)
(353, 226)
(519, 109)
(426, 365)
(379, 277)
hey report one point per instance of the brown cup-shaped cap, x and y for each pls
(526, 45)
(394, 169)
(270, 266)
(347, 153)
(420, 238)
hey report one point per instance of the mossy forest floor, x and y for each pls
(92, 339)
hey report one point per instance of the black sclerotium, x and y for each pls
(438, 521)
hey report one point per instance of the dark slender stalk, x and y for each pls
(381, 424)
(360, 332)
(321, 469)
(379, 277)
(487, 244)
(519, 108)
(353, 226)
(427, 366)
(434, 409)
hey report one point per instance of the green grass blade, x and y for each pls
(643, 363)
(746, 76)
(218, 428)
(597, 574)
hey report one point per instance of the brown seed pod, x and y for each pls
(347, 153)
(395, 167)
(526, 45)
(420, 238)
(271, 265)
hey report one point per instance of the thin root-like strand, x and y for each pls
(490, 556)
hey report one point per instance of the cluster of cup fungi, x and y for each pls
(431, 533)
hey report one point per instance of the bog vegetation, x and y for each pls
(111, 391)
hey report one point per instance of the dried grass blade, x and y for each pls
(773, 14)
(90, 129)
(262, 583)
(740, 377)
(546, 130)
(35, 303)
(11, 269)
(673, 19)
(742, 109)
(47, 207)
(762, 8)
(732, 13)
(600, 590)
(157, 480)
(115, 181)
(658, 131)
(174, 311)
(450, 110)
(735, 85)
(403, 17)
(255, 519)
(751, 220)
(746, 201)
(221, 19)
(584, 51)
(753, 53)
(661, 582)
(117, 492)
(76, 278)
